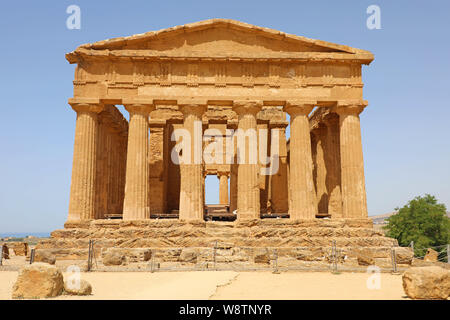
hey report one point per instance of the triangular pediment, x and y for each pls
(218, 38)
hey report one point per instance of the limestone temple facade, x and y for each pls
(126, 190)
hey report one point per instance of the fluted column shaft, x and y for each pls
(136, 202)
(223, 187)
(333, 167)
(100, 192)
(352, 163)
(82, 189)
(191, 172)
(302, 197)
(248, 194)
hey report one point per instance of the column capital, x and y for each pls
(195, 109)
(247, 106)
(299, 107)
(222, 173)
(349, 107)
(87, 107)
(139, 108)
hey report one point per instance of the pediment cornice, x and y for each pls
(219, 39)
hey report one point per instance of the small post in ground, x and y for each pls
(394, 261)
(151, 264)
(89, 265)
(32, 253)
(334, 257)
(448, 253)
(215, 252)
(1, 257)
(275, 262)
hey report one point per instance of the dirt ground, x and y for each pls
(228, 285)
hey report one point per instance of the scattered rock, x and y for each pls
(20, 248)
(44, 256)
(427, 283)
(262, 258)
(38, 280)
(365, 257)
(125, 255)
(5, 251)
(431, 255)
(113, 258)
(365, 260)
(83, 288)
(188, 255)
(312, 254)
(404, 255)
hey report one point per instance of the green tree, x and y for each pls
(423, 221)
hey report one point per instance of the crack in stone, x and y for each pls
(220, 286)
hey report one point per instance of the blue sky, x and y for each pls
(405, 129)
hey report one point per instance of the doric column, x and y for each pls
(278, 180)
(318, 148)
(82, 190)
(101, 191)
(136, 202)
(223, 187)
(123, 165)
(302, 197)
(333, 160)
(231, 158)
(191, 171)
(248, 194)
(352, 163)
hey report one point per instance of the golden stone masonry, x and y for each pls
(126, 191)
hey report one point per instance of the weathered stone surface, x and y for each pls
(188, 255)
(38, 280)
(113, 258)
(385, 263)
(404, 255)
(20, 248)
(81, 288)
(44, 256)
(421, 263)
(427, 283)
(302, 201)
(5, 251)
(304, 240)
(129, 254)
(262, 258)
(431, 255)
(365, 261)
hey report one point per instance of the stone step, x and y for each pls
(222, 233)
(175, 223)
(315, 253)
(183, 241)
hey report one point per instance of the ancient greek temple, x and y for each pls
(226, 75)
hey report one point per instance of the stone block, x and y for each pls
(431, 255)
(38, 280)
(427, 283)
(42, 255)
(81, 288)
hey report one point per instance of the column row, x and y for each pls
(99, 165)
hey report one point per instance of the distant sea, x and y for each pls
(24, 234)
